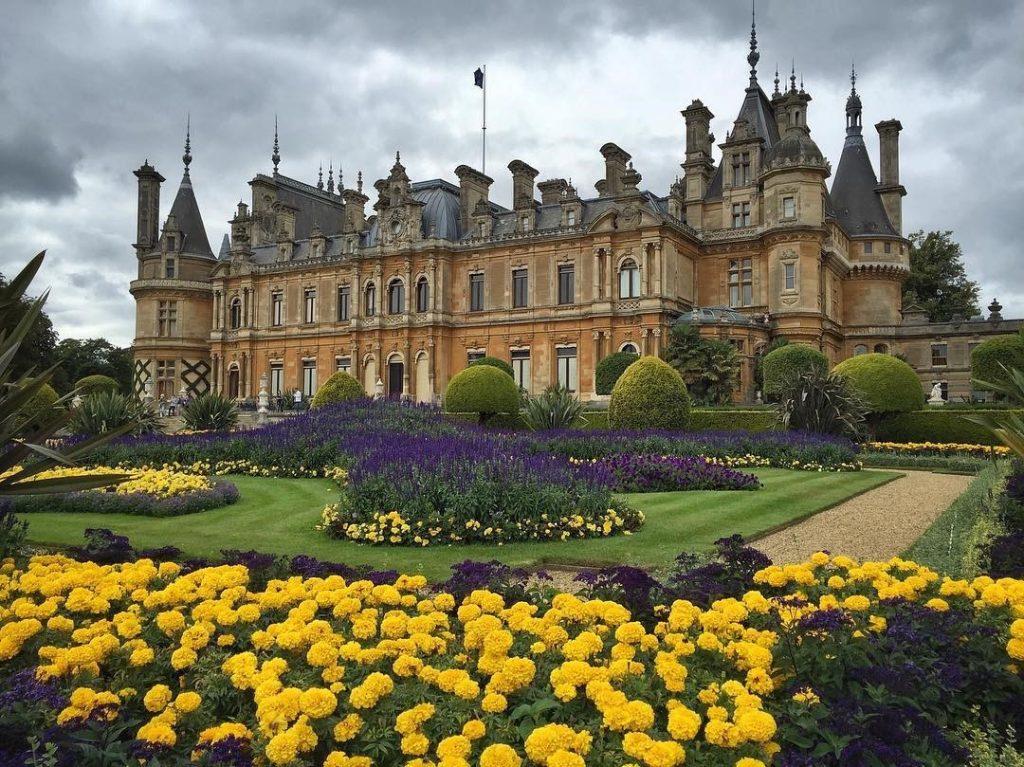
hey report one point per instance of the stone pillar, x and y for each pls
(657, 342)
(656, 248)
(243, 375)
(405, 369)
(597, 274)
(643, 342)
(432, 265)
(355, 301)
(430, 369)
(354, 359)
(215, 364)
(597, 358)
(609, 272)
(216, 310)
(646, 267)
(410, 289)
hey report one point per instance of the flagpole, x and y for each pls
(483, 130)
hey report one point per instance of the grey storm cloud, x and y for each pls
(89, 90)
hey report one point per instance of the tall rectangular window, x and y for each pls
(741, 168)
(567, 371)
(476, 292)
(740, 214)
(276, 379)
(887, 247)
(519, 288)
(167, 318)
(166, 379)
(521, 368)
(789, 207)
(868, 247)
(343, 364)
(308, 378)
(277, 309)
(570, 218)
(566, 284)
(790, 276)
(741, 282)
(422, 295)
(169, 268)
(344, 295)
(940, 354)
(310, 315)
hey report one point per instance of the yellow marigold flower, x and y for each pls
(454, 746)
(806, 695)
(756, 726)
(183, 657)
(158, 733)
(141, 656)
(857, 603)
(500, 755)
(683, 724)
(156, 700)
(187, 702)
(1017, 629)
(748, 761)
(317, 703)
(1015, 648)
(939, 605)
(563, 758)
(494, 703)
(474, 729)
(415, 744)
(348, 728)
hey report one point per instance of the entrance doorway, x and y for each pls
(233, 383)
(396, 372)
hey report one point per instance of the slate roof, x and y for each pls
(190, 221)
(757, 110)
(858, 207)
(312, 205)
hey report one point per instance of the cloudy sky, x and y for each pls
(88, 90)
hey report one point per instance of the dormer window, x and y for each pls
(172, 242)
(570, 218)
(483, 229)
(741, 169)
(524, 223)
(789, 207)
(169, 268)
(740, 214)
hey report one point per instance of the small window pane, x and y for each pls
(566, 284)
(519, 288)
(476, 292)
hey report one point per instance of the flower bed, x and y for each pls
(155, 492)
(829, 662)
(938, 448)
(662, 473)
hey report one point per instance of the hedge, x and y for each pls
(40, 408)
(482, 389)
(887, 384)
(938, 425)
(494, 362)
(611, 368)
(732, 420)
(94, 383)
(787, 362)
(649, 395)
(988, 359)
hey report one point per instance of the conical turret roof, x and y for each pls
(190, 221)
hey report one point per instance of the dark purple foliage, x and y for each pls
(23, 687)
(730, 574)
(634, 473)
(631, 587)
(468, 576)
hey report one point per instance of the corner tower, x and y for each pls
(173, 296)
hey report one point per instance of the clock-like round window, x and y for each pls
(396, 226)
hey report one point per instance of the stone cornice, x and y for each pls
(164, 285)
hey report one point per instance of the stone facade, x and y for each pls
(405, 295)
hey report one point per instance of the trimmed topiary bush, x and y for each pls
(340, 387)
(95, 383)
(886, 384)
(40, 408)
(649, 395)
(989, 357)
(611, 368)
(484, 390)
(494, 362)
(789, 361)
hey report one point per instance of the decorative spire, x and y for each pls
(320, 178)
(341, 184)
(853, 106)
(359, 182)
(792, 78)
(801, 83)
(776, 80)
(187, 157)
(753, 57)
(853, 79)
(276, 156)
(330, 177)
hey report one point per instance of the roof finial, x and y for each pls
(359, 182)
(187, 157)
(320, 178)
(753, 57)
(792, 78)
(341, 184)
(276, 156)
(853, 79)
(801, 82)
(330, 177)
(776, 79)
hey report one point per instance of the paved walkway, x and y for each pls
(876, 525)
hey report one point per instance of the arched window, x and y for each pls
(396, 296)
(859, 349)
(422, 295)
(371, 300)
(881, 348)
(236, 313)
(629, 279)
(629, 349)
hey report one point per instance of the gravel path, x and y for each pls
(876, 525)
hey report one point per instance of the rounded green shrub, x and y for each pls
(650, 394)
(340, 387)
(40, 408)
(481, 389)
(885, 383)
(989, 357)
(94, 383)
(787, 362)
(494, 362)
(611, 368)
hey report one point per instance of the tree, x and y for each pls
(938, 280)
(92, 356)
(709, 367)
(38, 348)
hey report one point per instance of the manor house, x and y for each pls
(750, 243)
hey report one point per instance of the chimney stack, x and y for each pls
(474, 187)
(889, 187)
(148, 216)
(522, 184)
(551, 191)
(615, 161)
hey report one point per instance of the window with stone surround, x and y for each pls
(940, 354)
(167, 318)
(741, 169)
(740, 214)
(422, 295)
(629, 279)
(170, 268)
(741, 282)
(568, 373)
(343, 365)
(308, 378)
(789, 207)
(276, 379)
(371, 300)
(868, 248)
(566, 284)
(476, 292)
(396, 297)
(521, 368)
(790, 274)
(520, 284)
(344, 298)
(277, 308)
(166, 379)
(310, 297)
(236, 313)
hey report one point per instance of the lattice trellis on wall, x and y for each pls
(140, 375)
(196, 377)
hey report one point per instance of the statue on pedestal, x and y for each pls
(936, 395)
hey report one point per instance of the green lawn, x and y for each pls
(278, 515)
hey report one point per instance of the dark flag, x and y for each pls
(478, 78)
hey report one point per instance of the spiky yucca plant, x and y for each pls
(21, 448)
(822, 403)
(210, 412)
(106, 411)
(1008, 425)
(556, 408)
